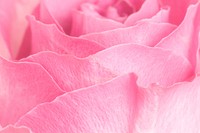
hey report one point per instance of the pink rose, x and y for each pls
(86, 66)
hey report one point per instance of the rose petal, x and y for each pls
(148, 9)
(61, 10)
(13, 129)
(71, 73)
(144, 33)
(84, 23)
(4, 50)
(106, 108)
(13, 21)
(152, 65)
(162, 16)
(184, 40)
(49, 38)
(23, 85)
(178, 9)
(179, 109)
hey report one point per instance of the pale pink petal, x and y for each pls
(162, 16)
(152, 65)
(23, 86)
(71, 73)
(49, 38)
(178, 110)
(144, 33)
(85, 23)
(148, 9)
(178, 9)
(13, 129)
(105, 108)
(184, 40)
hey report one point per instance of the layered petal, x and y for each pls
(148, 9)
(184, 40)
(144, 33)
(60, 11)
(23, 86)
(49, 38)
(13, 21)
(105, 108)
(72, 73)
(178, 9)
(152, 65)
(85, 23)
(13, 129)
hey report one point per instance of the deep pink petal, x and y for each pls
(23, 86)
(178, 9)
(71, 73)
(184, 40)
(144, 33)
(148, 9)
(105, 108)
(85, 23)
(13, 129)
(152, 65)
(49, 38)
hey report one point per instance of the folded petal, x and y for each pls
(84, 23)
(49, 38)
(23, 86)
(71, 73)
(13, 22)
(61, 10)
(178, 9)
(13, 129)
(148, 9)
(144, 33)
(184, 40)
(105, 108)
(152, 65)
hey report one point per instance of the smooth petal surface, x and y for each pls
(144, 33)
(49, 38)
(13, 21)
(148, 9)
(71, 73)
(13, 129)
(179, 108)
(23, 86)
(84, 23)
(178, 9)
(162, 16)
(184, 40)
(105, 108)
(151, 65)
